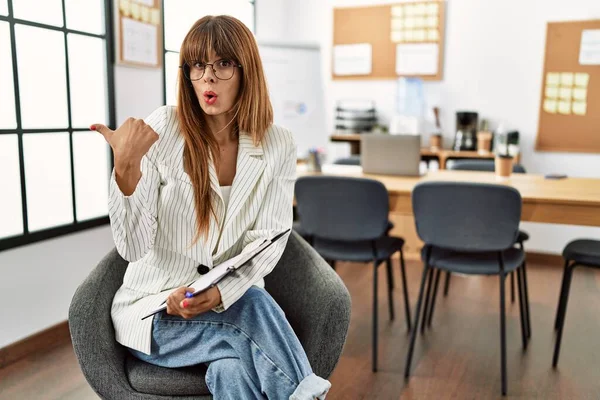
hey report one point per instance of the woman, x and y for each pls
(192, 187)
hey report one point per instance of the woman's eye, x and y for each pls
(199, 65)
(225, 63)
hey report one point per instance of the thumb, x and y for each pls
(104, 130)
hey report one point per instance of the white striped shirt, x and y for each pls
(153, 228)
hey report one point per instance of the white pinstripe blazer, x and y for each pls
(153, 228)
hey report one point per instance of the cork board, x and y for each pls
(139, 38)
(379, 27)
(571, 123)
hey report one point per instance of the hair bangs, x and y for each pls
(208, 36)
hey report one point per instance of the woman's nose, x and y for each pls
(209, 74)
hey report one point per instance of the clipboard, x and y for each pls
(244, 259)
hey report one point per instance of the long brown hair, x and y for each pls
(229, 38)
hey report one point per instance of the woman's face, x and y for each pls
(217, 90)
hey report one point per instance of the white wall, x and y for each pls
(493, 64)
(52, 270)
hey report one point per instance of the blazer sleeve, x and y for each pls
(274, 216)
(133, 218)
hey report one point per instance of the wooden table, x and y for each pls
(442, 155)
(573, 201)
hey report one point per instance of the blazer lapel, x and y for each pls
(249, 168)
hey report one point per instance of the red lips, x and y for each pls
(210, 97)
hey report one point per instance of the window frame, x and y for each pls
(165, 51)
(28, 237)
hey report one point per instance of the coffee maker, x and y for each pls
(466, 131)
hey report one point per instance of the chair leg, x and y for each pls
(405, 289)
(415, 327)
(522, 308)
(502, 333)
(390, 282)
(526, 291)
(390, 272)
(375, 321)
(568, 278)
(433, 298)
(447, 283)
(427, 300)
(561, 296)
(512, 287)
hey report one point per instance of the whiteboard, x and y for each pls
(293, 73)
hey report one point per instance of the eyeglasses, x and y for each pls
(223, 69)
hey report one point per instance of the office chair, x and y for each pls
(347, 220)
(469, 228)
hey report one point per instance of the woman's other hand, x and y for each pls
(178, 304)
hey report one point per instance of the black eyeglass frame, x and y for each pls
(186, 75)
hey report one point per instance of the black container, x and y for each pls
(466, 130)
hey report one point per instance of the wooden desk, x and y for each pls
(442, 155)
(573, 201)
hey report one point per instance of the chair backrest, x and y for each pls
(341, 208)
(481, 165)
(466, 216)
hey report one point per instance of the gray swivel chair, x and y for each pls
(313, 297)
(581, 252)
(347, 219)
(489, 166)
(469, 228)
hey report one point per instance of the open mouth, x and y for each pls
(210, 97)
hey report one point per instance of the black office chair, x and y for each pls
(347, 219)
(489, 166)
(469, 228)
(582, 252)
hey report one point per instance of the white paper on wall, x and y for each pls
(352, 59)
(417, 59)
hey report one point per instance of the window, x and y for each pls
(56, 80)
(180, 15)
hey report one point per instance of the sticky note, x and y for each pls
(145, 13)
(550, 106)
(409, 35)
(552, 79)
(397, 11)
(552, 92)
(420, 35)
(155, 16)
(579, 107)
(565, 93)
(409, 10)
(566, 78)
(432, 22)
(397, 36)
(397, 24)
(409, 22)
(433, 9)
(135, 10)
(582, 79)
(433, 35)
(420, 9)
(564, 107)
(125, 7)
(579, 94)
(420, 22)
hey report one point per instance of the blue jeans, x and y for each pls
(251, 350)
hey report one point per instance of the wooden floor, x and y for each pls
(458, 358)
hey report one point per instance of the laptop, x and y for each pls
(390, 154)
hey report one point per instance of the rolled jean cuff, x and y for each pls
(311, 387)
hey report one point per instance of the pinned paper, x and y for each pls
(564, 107)
(397, 11)
(565, 93)
(589, 49)
(552, 79)
(145, 12)
(135, 10)
(155, 16)
(433, 35)
(410, 22)
(550, 106)
(125, 7)
(419, 22)
(580, 94)
(352, 59)
(409, 36)
(566, 78)
(420, 35)
(551, 92)
(579, 107)
(409, 10)
(432, 22)
(582, 79)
